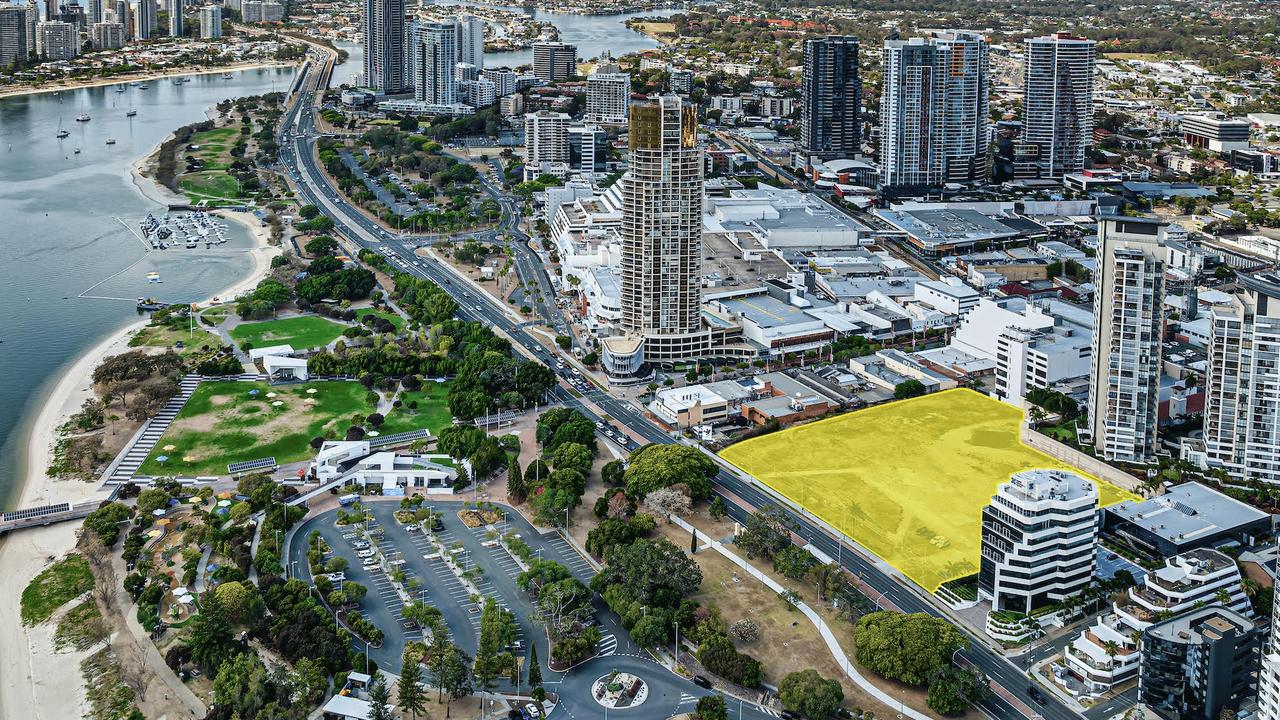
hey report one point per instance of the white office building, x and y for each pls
(434, 54)
(1057, 116)
(470, 40)
(1128, 309)
(933, 112)
(1038, 537)
(1242, 398)
(1107, 653)
(175, 18)
(210, 22)
(546, 139)
(608, 97)
(57, 40)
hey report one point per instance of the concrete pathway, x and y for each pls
(141, 639)
(202, 568)
(824, 630)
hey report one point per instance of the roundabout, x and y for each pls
(619, 690)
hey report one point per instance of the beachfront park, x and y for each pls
(235, 421)
(301, 332)
(907, 480)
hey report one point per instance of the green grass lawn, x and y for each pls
(393, 317)
(165, 337)
(432, 413)
(54, 587)
(223, 423)
(210, 184)
(306, 331)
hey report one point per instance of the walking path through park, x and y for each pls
(842, 659)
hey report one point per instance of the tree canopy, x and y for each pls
(909, 648)
(810, 694)
(654, 467)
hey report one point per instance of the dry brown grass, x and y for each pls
(788, 641)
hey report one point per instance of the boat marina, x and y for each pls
(184, 229)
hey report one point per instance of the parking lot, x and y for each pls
(418, 557)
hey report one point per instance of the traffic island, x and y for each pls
(619, 691)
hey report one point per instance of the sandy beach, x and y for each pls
(35, 682)
(13, 91)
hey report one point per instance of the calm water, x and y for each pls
(593, 34)
(69, 222)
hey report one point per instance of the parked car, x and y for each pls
(360, 544)
(365, 554)
(336, 577)
(702, 681)
(370, 562)
(534, 710)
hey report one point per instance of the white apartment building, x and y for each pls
(210, 22)
(107, 35)
(261, 11)
(1038, 537)
(1269, 673)
(608, 97)
(1242, 399)
(434, 59)
(57, 40)
(546, 140)
(144, 19)
(1187, 581)
(175, 17)
(1128, 308)
(503, 79)
(1058, 102)
(933, 112)
(471, 40)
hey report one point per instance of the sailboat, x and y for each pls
(62, 132)
(131, 113)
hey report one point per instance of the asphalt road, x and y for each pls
(741, 495)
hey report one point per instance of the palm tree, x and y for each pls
(1223, 596)
(1112, 649)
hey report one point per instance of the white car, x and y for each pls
(365, 554)
(360, 544)
(370, 562)
(336, 577)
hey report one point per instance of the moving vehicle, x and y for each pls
(346, 500)
(1036, 695)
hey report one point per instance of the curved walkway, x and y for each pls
(824, 630)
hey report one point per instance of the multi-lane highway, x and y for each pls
(741, 494)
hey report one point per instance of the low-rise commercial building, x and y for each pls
(1186, 517)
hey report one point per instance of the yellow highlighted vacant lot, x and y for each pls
(907, 480)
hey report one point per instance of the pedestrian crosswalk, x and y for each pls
(769, 711)
(608, 645)
(686, 698)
